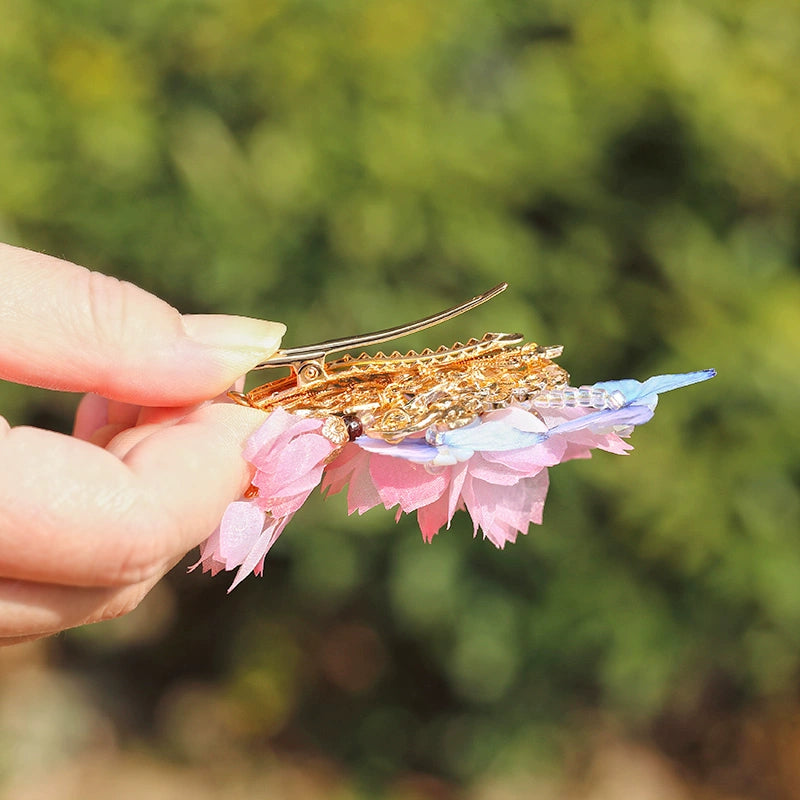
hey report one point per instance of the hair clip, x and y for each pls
(473, 426)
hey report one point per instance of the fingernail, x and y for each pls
(246, 338)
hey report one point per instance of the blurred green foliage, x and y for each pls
(632, 168)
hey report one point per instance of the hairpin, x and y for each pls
(473, 426)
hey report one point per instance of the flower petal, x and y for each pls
(498, 474)
(636, 392)
(352, 466)
(209, 555)
(410, 485)
(493, 434)
(502, 511)
(298, 456)
(239, 530)
(415, 450)
(254, 560)
(276, 423)
(433, 517)
(531, 460)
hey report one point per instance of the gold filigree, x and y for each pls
(392, 396)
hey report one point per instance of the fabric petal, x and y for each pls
(494, 435)
(254, 560)
(209, 555)
(531, 460)
(433, 517)
(417, 451)
(351, 467)
(493, 472)
(291, 463)
(636, 392)
(339, 471)
(502, 511)
(240, 528)
(606, 421)
(409, 485)
(275, 424)
(455, 501)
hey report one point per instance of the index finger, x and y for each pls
(64, 327)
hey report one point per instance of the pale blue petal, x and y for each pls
(636, 392)
(416, 450)
(606, 421)
(640, 402)
(490, 436)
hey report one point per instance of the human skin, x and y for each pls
(90, 522)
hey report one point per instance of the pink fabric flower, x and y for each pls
(503, 491)
(289, 455)
(496, 469)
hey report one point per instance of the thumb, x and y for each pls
(64, 327)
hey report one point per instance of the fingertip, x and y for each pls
(240, 342)
(64, 327)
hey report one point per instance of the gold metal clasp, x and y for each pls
(308, 361)
(395, 395)
(313, 355)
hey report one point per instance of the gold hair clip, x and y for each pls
(392, 396)
(474, 426)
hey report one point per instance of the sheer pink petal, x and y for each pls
(502, 511)
(289, 459)
(302, 478)
(614, 444)
(340, 470)
(352, 466)
(240, 528)
(495, 473)
(530, 461)
(529, 506)
(458, 475)
(209, 555)
(410, 485)
(298, 457)
(433, 517)
(289, 455)
(254, 560)
(267, 434)
(283, 506)
(579, 444)
(362, 494)
(575, 450)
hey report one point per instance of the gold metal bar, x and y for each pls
(293, 355)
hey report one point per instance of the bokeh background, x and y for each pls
(632, 168)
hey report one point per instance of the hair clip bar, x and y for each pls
(312, 352)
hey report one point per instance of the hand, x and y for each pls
(90, 522)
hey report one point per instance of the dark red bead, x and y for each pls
(354, 426)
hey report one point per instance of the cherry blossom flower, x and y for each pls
(495, 468)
